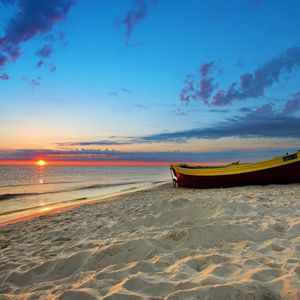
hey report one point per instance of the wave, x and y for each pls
(41, 206)
(9, 196)
(97, 186)
(35, 184)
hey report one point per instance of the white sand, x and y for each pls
(164, 243)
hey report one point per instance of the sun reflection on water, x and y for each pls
(41, 169)
(44, 209)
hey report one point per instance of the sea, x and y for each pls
(23, 188)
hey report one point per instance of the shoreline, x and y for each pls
(37, 211)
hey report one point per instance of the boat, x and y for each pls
(279, 170)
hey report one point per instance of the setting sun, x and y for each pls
(41, 163)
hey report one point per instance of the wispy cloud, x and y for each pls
(34, 83)
(293, 104)
(262, 122)
(115, 94)
(98, 143)
(39, 63)
(125, 90)
(53, 67)
(4, 76)
(134, 16)
(45, 51)
(104, 155)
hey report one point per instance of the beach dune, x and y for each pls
(161, 243)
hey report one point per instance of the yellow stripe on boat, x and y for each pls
(237, 168)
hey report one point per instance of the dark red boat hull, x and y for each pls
(289, 173)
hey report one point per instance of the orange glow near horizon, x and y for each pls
(101, 163)
(108, 163)
(41, 163)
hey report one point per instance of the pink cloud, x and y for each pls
(135, 15)
(254, 85)
(203, 89)
(32, 18)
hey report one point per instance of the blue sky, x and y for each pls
(149, 79)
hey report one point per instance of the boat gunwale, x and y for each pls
(232, 169)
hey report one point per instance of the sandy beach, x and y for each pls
(161, 243)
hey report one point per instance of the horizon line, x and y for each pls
(99, 163)
(86, 163)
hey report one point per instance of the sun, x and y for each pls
(41, 163)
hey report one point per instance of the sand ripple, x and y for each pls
(164, 243)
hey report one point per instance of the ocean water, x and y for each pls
(26, 187)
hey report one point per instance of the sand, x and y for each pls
(162, 243)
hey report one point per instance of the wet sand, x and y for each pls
(161, 243)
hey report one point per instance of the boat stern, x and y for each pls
(173, 175)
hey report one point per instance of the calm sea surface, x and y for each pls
(27, 187)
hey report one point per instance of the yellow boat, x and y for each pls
(279, 170)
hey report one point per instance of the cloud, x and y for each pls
(203, 90)
(32, 154)
(188, 91)
(35, 83)
(98, 143)
(33, 18)
(45, 51)
(249, 85)
(293, 104)
(92, 155)
(253, 85)
(141, 106)
(4, 76)
(125, 90)
(39, 63)
(242, 127)
(134, 16)
(116, 94)
(206, 87)
(3, 60)
(263, 122)
(113, 94)
(104, 155)
(53, 67)
(206, 68)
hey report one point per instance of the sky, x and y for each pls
(149, 80)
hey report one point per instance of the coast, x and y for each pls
(15, 216)
(161, 243)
